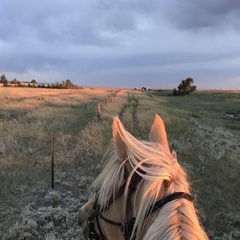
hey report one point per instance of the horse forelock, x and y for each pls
(111, 177)
(161, 176)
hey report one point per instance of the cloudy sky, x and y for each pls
(122, 43)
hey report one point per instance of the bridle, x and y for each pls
(93, 235)
(127, 226)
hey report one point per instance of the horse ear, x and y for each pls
(158, 134)
(119, 144)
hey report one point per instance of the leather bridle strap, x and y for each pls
(110, 221)
(99, 228)
(136, 178)
(158, 205)
(174, 196)
(97, 214)
(128, 225)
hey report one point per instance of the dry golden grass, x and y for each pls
(26, 98)
(27, 118)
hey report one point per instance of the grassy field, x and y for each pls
(207, 144)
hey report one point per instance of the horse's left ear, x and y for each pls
(119, 145)
(158, 134)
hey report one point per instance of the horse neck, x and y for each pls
(177, 219)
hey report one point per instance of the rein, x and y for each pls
(127, 226)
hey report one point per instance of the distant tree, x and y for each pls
(34, 81)
(63, 84)
(175, 92)
(194, 88)
(69, 84)
(185, 87)
(3, 80)
(57, 85)
(14, 81)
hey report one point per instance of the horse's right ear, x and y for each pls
(119, 144)
(158, 134)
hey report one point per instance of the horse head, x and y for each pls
(141, 193)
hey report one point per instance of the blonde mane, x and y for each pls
(110, 179)
(162, 176)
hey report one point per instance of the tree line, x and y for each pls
(33, 83)
(184, 88)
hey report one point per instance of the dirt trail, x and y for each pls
(132, 106)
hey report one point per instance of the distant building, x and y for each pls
(42, 84)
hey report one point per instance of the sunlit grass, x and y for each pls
(27, 118)
(207, 144)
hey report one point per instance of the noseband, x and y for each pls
(127, 226)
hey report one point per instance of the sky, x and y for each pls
(122, 43)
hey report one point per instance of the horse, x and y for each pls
(141, 193)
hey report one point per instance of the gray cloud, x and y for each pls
(120, 39)
(204, 14)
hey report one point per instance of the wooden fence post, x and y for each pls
(106, 100)
(85, 102)
(99, 112)
(53, 146)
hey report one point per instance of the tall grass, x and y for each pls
(27, 118)
(207, 144)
